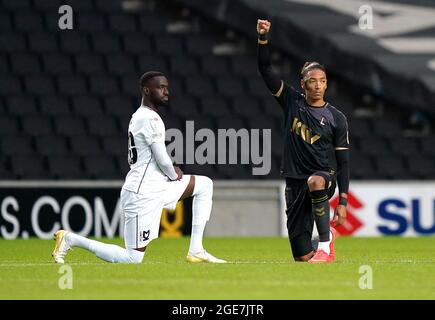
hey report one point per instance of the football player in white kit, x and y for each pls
(152, 183)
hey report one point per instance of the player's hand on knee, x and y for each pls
(263, 26)
(179, 172)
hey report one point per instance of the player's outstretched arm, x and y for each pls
(163, 160)
(273, 82)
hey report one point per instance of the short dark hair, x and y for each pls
(148, 76)
(311, 65)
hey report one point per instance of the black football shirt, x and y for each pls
(311, 136)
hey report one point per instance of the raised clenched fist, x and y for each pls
(263, 26)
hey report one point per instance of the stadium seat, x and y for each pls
(215, 106)
(89, 64)
(362, 167)
(8, 126)
(28, 21)
(245, 66)
(258, 89)
(39, 85)
(10, 85)
(246, 106)
(105, 43)
(5, 21)
(120, 64)
(36, 125)
(387, 128)
(183, 105)
(137, 43)
(74, 42)
(184, 66)
(12, 42)
(21, 106)
(86, 106)
(230, 86)
(103, 85)
(17, 145)
(25, 64)
(102, 126)
(214, 65)
(423, 167)
(199, 86)
(85, 145)
(50, 145)
(390, 167)
(29, 168)
(91, 22)
(72, 85)
(151, 62)
(115, 145)
(54, 105)
(102, 167)
(227, 122)
(42, 42)
(117, 105)
(57, 64)
(122, 23)
(360, 128)
(199, 45)
(69, 125)
(427, 146)
(373, 146)
(66, 167)
(168, 45)
(404, 146)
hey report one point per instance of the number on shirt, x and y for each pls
(132, 152)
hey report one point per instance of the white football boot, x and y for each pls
(203, 256)
(61, 248)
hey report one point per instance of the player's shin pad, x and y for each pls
(319, 199)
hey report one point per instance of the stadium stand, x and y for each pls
(66, 96)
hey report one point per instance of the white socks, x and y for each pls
(107, 252)
(201, 210)
(325, 244)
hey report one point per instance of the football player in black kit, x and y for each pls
(315, 156)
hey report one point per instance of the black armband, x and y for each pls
(262, 38)
(342, 201)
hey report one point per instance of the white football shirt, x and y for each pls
(145, 128)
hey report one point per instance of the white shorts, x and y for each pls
(142, 212)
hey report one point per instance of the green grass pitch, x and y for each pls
(259, 268)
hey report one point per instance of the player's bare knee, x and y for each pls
(316, 183)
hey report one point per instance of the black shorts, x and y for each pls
(300, 219)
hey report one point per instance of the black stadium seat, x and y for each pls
(16, 145)
(102, 126)
(102, 167)
(89, 64)
(36, 125)
(50, 145)
(69, 125)
(42, 42)
(25, 64)
(66, 167)
(54, 105)
(29, 168)
(85, 145)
